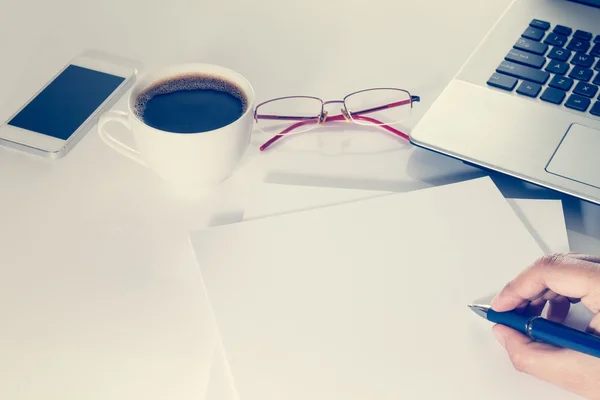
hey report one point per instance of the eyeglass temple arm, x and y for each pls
(285, 131)
(384, 126)
(339, 117)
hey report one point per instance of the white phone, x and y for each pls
(64, 110)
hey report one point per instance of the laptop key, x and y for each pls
(595, 50)
(523, 72)
(529, 89)
(596, 109)
(596, 80)
(581, 74)
(579, 45)
(560, 54)
(597, 67)
(557, 67)
(583, 35)
(554, 96)
(583, 60)
(555, 39)
(563, 30)
(597, 39)
(578, 103)
(586, 89)
(525, 58)
(531, 46)
(534, 34)
(562, 83)
(537, 23)
(502, 82)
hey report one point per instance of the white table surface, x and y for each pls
(98, 286)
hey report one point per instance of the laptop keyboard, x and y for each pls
(556, 64)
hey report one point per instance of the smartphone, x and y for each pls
(64, 110)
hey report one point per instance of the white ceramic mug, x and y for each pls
(192, 162)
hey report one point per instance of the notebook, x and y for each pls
(368, 299)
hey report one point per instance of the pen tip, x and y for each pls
(479, 309)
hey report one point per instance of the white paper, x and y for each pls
(367, 300)
(220, 383)
(543, 218)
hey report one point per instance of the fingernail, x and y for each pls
(492, 303)
(499, 337)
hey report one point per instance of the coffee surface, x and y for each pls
(191, 103)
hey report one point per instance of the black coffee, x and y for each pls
(191, 103)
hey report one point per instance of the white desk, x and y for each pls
(98, 286)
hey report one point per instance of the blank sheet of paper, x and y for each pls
(367, 300)
(543, 218)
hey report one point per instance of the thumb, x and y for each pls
(573, 371)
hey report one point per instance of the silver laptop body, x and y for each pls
(480, 120)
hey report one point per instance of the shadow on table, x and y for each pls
(425, 169)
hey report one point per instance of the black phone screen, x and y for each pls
(67, 102)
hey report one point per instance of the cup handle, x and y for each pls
(121, 148)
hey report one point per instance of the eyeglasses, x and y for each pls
(285, 116)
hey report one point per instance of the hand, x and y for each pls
(558, 280)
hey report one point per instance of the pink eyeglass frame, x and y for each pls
(344, 116)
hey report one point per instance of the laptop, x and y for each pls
(527, 101)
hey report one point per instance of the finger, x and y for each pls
(538, 301)
(536, 307)
(550, 295)
(585, 257)
(568, 277)
(559, 309)
(594, 327)
(576, 372)
(522, 307)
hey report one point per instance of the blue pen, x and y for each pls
(543, 330)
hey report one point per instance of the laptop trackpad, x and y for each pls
(578, 156)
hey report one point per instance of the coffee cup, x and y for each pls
(191, 124)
